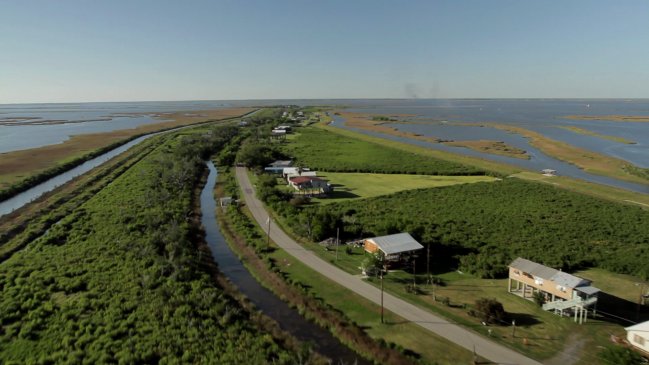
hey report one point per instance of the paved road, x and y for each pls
(454, 333)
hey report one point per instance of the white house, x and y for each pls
(301, 183)
(638, 336)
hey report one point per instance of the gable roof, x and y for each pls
(641, 327)
(304, 179)
(548, 273)
(396, 243)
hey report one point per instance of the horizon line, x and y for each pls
(315, 99)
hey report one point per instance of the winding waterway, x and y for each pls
(538, 160)
(289, 319)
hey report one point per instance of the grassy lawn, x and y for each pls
(431, 347)
(365, 185)
(622, 286)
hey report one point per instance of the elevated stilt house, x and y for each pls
(564, 293)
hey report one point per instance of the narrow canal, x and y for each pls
(289, 319)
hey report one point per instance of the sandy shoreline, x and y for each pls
(610, 118)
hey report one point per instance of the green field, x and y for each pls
(366, 185)
(320, 149)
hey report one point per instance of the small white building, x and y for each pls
(638, 336)
(310, 183)
(549, 172)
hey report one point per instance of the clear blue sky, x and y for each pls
(56, 51)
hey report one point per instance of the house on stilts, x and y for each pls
(565, 294)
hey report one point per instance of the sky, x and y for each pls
(75, 51)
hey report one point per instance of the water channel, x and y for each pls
(21, 199)
(289, 319)
(538, 160)
(29, 195)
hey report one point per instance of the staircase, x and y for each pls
(559, 305)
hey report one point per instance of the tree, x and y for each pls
(490, 311)
(255, 155)
(373, 263)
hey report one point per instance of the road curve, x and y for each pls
(452, 332)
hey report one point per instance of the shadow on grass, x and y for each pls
(620, 311)
(340, 194)
(523, 319)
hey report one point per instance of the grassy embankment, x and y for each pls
(377, 124)
(22, 169)
(595, 134)
(609, 118)
(584, 159)
(119, 278)
(327, 302)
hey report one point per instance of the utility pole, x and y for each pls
(337, 237)
(268, 232)
(414, 272)
(382, 294)
(428, 278)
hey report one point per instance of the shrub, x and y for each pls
(621, 356)
(489, 311)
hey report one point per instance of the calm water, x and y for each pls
(289, 319)
(543, 116)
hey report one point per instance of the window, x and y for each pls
(638, 339)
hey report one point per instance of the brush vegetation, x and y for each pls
(120, 279)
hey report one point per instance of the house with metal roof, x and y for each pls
(277, 167)
(312, 184)
(561, 291)
(392, 246)
(638, 337)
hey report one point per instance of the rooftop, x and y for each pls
(281, 163)
(304, 179)
(396, 243)
(642, 327)
(548, 273)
